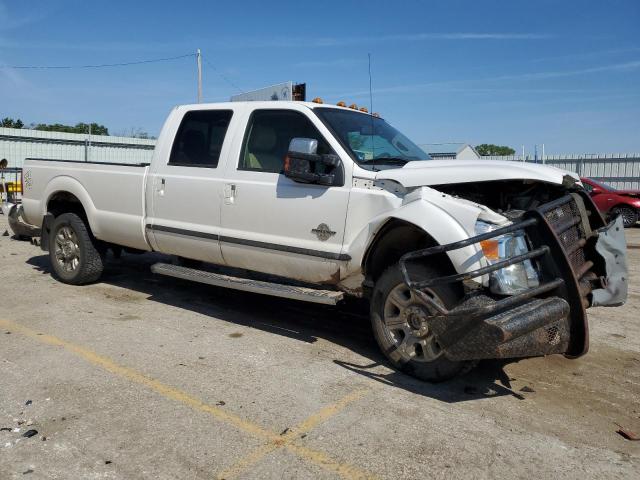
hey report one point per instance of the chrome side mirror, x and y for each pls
(303, 164)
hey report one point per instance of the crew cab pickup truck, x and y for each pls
(460, 260)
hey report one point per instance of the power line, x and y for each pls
(103, 65)
(223, 76)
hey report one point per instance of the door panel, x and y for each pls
(187, 191)
(271, 223)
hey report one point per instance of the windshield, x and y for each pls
(602, 185)
(370, 140)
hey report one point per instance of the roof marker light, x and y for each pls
(364, 109)
(353, 106)
(341, 104)
(317, 100)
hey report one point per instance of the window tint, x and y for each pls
(268, 136)
(200, 138)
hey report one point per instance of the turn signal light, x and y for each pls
(341, 104)
(317, 100)
(490, 249)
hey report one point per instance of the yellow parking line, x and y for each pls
(275, 441)
(294, 434)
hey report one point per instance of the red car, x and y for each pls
(612, 202)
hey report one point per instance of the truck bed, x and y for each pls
(111, 193)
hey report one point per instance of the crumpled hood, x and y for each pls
(441, 172)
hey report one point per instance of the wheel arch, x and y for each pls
(395, 238)
(67, 195)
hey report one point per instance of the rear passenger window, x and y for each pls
(200, 138)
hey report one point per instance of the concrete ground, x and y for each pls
(149, 377)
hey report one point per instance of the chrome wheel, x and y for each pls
(406, 325)
(629, 215)
(67, 251)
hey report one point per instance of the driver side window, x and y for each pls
(268, 135)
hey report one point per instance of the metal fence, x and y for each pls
(620, 170)
(18, 144)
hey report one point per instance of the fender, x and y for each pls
(445, 218)
(64, 183)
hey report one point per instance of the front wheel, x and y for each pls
(72, 251)
(400, 321)
(629, 215)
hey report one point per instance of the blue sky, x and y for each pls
(563, 73)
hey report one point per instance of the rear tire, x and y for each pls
(629, 215)
(400, 325)
(75, 258)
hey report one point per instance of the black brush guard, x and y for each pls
(550, 318)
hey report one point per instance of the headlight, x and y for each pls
(514, 278)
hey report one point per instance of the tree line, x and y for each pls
(83, 128)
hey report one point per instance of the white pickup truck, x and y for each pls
(460, 260)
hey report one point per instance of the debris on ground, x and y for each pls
(29, 422)
(30, 433)
(27, 472)
(6, 233)
(28, 402)
(628, 434)
(108, 462)
(221, 403)
(527, 389)
(285, 431)
(43, 438)
(5, 429)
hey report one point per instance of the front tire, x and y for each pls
(73, 251)
(400, 325)
(629, 215)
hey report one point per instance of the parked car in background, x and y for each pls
(612, 202)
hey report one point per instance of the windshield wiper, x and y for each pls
(388, 160)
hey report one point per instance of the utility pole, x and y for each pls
(199, 58)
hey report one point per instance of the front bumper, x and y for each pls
(582, 262)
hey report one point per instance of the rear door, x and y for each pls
(271, 223)
(185, 189)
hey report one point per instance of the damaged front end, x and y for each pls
(579, 260)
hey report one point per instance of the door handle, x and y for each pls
(161, 187)
(230, 193)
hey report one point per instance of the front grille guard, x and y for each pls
(486, 309)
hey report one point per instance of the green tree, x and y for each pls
(96, 129)
(489, 149)
(11, 123)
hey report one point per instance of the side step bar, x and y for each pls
(327, 297)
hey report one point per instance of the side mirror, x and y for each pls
(303, 164)
(596, 191)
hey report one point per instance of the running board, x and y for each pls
(327, 297)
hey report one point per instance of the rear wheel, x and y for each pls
(629, 215)
(73, 251)
(400, 321)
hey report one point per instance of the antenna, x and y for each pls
(373, 153)
(199, 63)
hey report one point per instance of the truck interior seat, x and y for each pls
(261, 152)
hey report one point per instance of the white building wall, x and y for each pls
(18, 144)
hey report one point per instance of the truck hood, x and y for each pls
(441, 172)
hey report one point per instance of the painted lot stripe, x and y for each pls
(294, 434)
(274, 440)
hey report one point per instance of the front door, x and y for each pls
(271, 223)
(186, 191)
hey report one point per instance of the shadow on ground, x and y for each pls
(346, 325)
